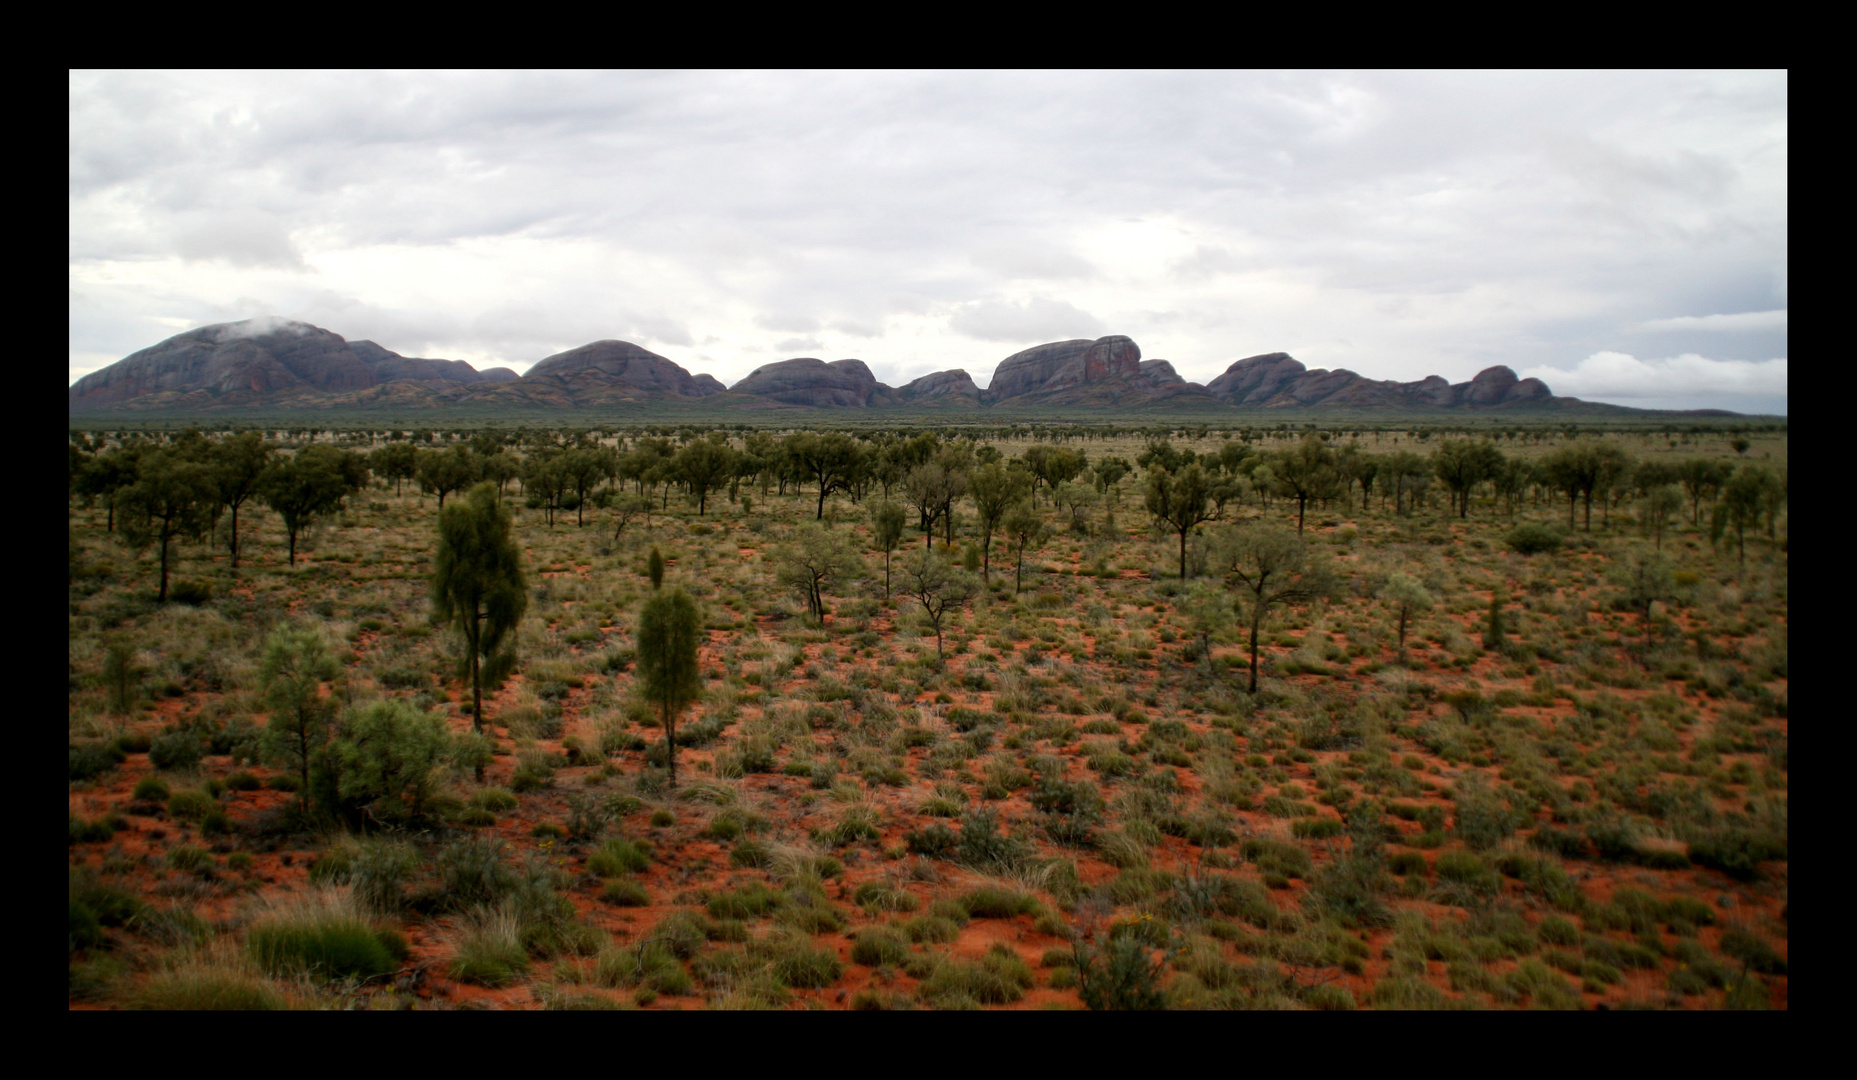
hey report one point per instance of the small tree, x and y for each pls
(1742, 503)
(1495, 634)
(172, 497)
(704, 465)
(1306, 472)
(396, 462)
(668, 627)
(654, 568)
(814, 558)
(1656, 508)
(296, 663)
(238, 463)
(627, 506)
(1407, 598)
(310, 484)
(478, 585)
(886, 519)
(1024, 530)
(1645, 577)
(995, 489)
(445, 471)
(1179, 500)
(1268, 566)
(930, 579)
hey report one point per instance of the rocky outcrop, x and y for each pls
(1256, 379)
(955, 388)
(273, 364)
(614, 363)
(841, 384)
(1063, 365)
(1278, 380)
(1160, 373)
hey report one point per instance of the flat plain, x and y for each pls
(1566, 787)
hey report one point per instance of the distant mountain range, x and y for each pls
(273, 365)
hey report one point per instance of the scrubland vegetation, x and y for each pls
(963, 718)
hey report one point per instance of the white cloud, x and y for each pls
(1687, 381)
(1033, 321)
(1030, 261)
(1746, 320)
(244, 238)
(795, 346)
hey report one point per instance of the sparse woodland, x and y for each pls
(1048, 717)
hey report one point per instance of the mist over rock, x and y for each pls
(260, 361)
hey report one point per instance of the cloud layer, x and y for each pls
(1399, 224)
(1688, 381)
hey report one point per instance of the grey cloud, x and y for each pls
(1206, 262)
(858, 329)
(793, 324)
(795, 346)
(1035, 320)
(1033, 262)
(1745, 320)
(244, 238)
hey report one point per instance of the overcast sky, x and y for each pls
(1622, 236)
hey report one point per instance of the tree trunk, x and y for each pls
(1256, 617)
(670, 742)
(162, 596)
(1182, 554)
(477, 697)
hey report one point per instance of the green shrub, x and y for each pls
(1121, 975)
(1737, 853)
(1533, 539)
(319, 943)
(176, 750)
(999, 977)
(625, 892)
(188, 859)
(151, 789)
(472, 873)
(199, 988)
(1329, 997)
(989, 902)
(878, 946)
(751, 901)
(879, 896)
(192, 805)
(797, 964)
(90, 759)
(489, 950)
(931, 929)
(494, 799)
(617, 856)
